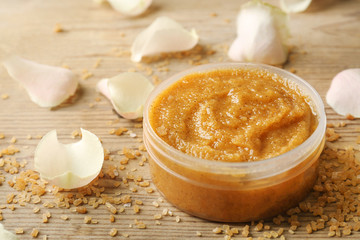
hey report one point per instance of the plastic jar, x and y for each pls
(236, 191)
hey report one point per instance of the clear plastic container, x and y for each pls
(236, 191)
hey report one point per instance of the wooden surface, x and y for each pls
(326, 40)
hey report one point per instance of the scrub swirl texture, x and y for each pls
(233, 116)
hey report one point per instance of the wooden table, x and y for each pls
(325, 40)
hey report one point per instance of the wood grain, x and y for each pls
(325, 40)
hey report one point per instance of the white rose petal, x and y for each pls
(127, 92)
(130, 7)
(294, 6)
(102, 86)
(163, 35)
(262, 34)
(47, 86)
(344, 93)
(69, 165)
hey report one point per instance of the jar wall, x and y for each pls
(238, 204)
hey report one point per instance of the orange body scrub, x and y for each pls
(236, 142)
(234, 116)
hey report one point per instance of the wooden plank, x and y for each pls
(326, 41)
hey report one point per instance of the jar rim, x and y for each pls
(261, 168)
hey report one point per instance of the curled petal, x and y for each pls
(6, 235)
(69, 165)
(343, 94)
(127, 92)
(163, 35)
(294, 6)
(47, 86)
(102, 86)
(130, 7)
(262, 34)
